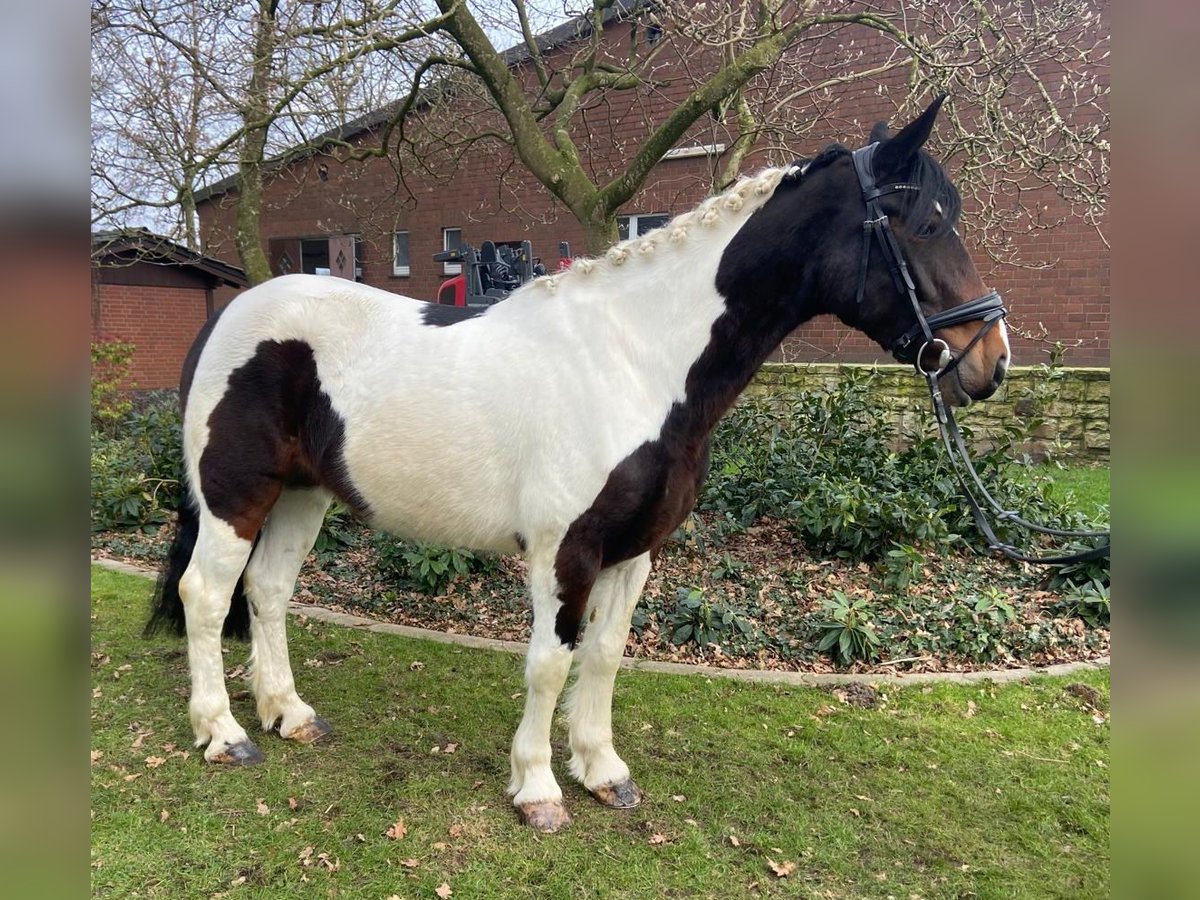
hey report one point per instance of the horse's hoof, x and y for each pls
(243, 753)
(545, 817)
(625, 795)
(310, 732)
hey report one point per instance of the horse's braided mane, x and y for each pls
(746, 195)
(917, 207)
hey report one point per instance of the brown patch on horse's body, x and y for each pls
(649, 494)
(273, 428)
(646, 497)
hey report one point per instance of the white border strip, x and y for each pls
(694, 151)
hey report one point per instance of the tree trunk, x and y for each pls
(249, 225)
(250, 164)
(187, 212)
(599, 233)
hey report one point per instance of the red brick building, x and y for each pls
(155, 295)
(319, 210)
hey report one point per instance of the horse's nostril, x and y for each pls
(1001, 369)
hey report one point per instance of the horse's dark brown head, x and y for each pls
(821, 211)
(922, 220)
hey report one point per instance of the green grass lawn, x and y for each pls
(1088, 484)
(942, 791)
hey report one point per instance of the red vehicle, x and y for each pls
(492, 272)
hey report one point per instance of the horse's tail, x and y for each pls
(166, 612)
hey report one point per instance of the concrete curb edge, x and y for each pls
(762, 676)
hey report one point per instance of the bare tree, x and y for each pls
(1027, 79)
(582, 108)
(186, 91)
(151, 121)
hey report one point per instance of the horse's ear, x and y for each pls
(879, 133)
(896, 152)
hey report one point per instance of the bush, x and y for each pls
(136, 468)
(426, 567)
(848, 631)
(1079, 575)
(698, 619)
(1088, 601)
(826, 462)
(338, 533)
(112, 362)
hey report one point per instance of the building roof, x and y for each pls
(137, 245)
(572, 30)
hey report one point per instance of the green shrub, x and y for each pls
(427, 567)
(980, 626)
(1089, 600)
(702, 621)
(339, 532)
(826, 461)
(848, 630)
(1080, 574)
(902, 566)
(112, 362)
(135, 469)
(730, 569)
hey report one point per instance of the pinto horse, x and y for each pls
(570, 424)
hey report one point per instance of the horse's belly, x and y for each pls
(447, 526)
(444, 500)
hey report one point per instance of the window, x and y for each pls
(451, 240)
(400, 253)
(635, 226)
(314, 256)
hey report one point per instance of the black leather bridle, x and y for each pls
(912, 346)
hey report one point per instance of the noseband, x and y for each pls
(910, 347)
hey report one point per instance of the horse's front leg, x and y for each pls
(594, 762)
(536, 794)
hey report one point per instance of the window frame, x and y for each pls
(404, 271)
(451, 268)
(633, 220)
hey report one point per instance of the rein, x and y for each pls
(912, 346)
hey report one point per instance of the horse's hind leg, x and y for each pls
(288, 535)
(594, 762)
(206, 589)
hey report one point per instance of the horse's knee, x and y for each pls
(203, 608)
(609, 646)
(191, 585)
(546, 668)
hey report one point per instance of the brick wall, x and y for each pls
(1066, 410)
(488, 194)
(160, 321)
